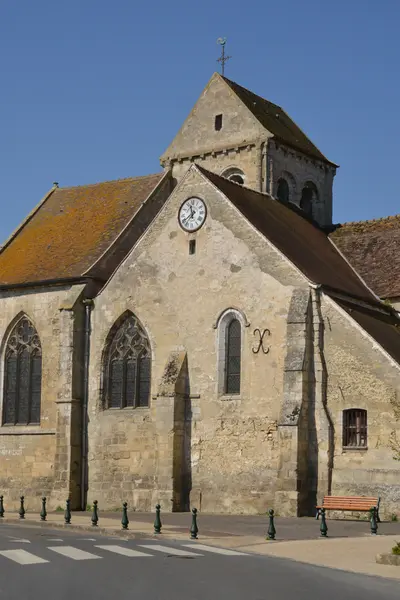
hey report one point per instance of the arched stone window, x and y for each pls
(230, 352)
(234, 174)
(309, 196)
(282, 192)
(22, 375)
(127, 365)
(355, 428)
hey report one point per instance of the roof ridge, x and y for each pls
(87, 185)
(377, 220)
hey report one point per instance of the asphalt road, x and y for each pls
(62, 565)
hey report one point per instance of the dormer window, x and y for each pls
(234, 174)
(218, 122)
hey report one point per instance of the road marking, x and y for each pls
(20, 540)
(215, 550)
(123, 551)
(23, 557)
(54, 540)
(74, 553)
(168, 550)
(88, 539)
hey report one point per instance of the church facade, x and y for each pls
(198, 337)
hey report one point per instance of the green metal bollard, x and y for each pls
(67, 514)
(95, 515)
(22, 509)
(271, 528)
(43, 512)
(324, 528)
(1, 506)
(194, 530)
(125, 520)
(374, 524)
(157, 521)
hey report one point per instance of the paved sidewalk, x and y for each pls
(350, 545)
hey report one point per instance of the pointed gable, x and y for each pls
(72, 229)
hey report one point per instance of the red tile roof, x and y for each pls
(71, 229)
(373, 248)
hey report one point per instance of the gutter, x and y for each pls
(88, 304)
(46, 282)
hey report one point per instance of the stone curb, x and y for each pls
(388, 559)
(71, 527)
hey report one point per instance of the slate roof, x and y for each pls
(310, 249)
(72, 229)
(303, 242)
(373, 248)
(277, 121)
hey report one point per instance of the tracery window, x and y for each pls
(22, 375)
(128, 366)
(355, 428)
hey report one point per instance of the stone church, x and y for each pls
(204, 336)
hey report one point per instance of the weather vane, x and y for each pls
(222, 59)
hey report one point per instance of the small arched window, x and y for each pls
(309, 196)
(355, 428)
(283, 190)
(127, 365)
(234, 174)
(233, 357)
(230, 325)
(22, 376)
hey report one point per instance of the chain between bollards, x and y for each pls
(1, 506)
(125, 520)
(373, 519)
(324, 528)
(95, 515)
(67, 514)
(22, 508)
(157, 521)
(271, 528)
(43, 512)
(194, 530)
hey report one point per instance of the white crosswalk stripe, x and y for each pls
(74, 553)
(124, 551)
(215, 550)
(23, 557)
(54, 540)
(168, 550)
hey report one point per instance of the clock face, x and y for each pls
(192, 214)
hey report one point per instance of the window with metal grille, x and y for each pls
(128, 366)
(22, 376)
(355, 428)
(233, 357)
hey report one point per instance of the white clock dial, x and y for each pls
(192, 214)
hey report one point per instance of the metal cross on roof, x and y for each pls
(222, 59)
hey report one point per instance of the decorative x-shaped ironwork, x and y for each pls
(260, 340)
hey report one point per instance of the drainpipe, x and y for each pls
(88, 304)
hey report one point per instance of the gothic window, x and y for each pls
(283, 190)
(22, 376)
(355, 428)
(128, 366)
(309, 196)
(233, 357)
(234, 174)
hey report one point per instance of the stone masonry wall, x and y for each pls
(298, 169)
(360, 376)
(34, 460)
(231, 443)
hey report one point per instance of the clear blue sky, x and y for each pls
(93, 90)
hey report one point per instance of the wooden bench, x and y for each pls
(356, 503)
